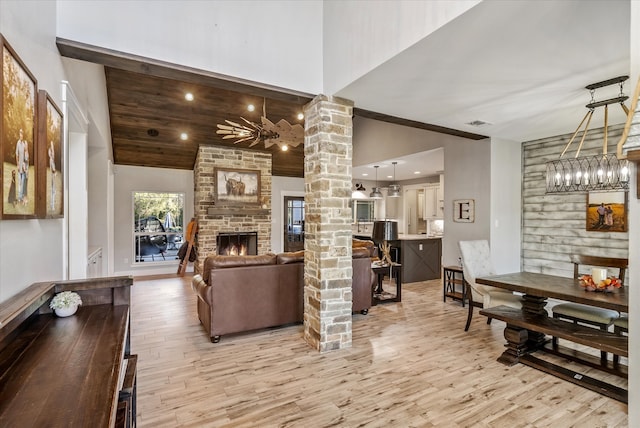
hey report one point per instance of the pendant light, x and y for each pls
(591, 173)
(394, 189)
(376, 194)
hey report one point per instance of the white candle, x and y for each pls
(598, 274)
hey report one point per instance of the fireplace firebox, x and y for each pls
(237, 243)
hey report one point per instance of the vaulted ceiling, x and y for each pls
(520, 67)
(148, 111)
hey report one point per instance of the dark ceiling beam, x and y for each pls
(158, 68)
(415, 124)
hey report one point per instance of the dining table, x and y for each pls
(528, 327)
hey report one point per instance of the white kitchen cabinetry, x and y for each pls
(433, 202)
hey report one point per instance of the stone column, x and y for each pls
(327, 180)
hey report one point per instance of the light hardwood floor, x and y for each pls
(411, 365)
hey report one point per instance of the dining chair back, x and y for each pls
(585, 314)
(476, 262)
(608, 262)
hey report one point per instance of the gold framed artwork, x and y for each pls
(237, 186)
(50, 190)
(17, 136)
(607, 211)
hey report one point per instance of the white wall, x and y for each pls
(31, 250)
(100, 213)
(506, 207)
(356, 42)
(281, 187)
(467, 175)
(128, 179)
(78, 202)
(375, 141)
(275, 42)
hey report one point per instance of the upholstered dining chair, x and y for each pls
(476, 262)
(589, 315)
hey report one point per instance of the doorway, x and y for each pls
(294, 223)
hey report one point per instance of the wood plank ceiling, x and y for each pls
(148, 115)
(148, 110)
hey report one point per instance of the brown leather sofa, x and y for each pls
(243, 293)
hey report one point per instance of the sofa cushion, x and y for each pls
(360, 252)
(221, 262)
(368, 245)
(290, 257)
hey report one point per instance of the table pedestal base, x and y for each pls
(516, 345)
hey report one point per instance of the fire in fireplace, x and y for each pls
(237, 243)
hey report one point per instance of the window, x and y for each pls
(363, 211)
(158, 226)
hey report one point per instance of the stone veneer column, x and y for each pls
(327, 180)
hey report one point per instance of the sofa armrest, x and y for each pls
(202, 289)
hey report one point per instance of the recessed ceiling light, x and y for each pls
(188, 96)
(416, 172)
(184, 136)
(364, 174)
(251, 107)
(389, 176)
(300, 116)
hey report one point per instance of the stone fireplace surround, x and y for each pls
(212, 218)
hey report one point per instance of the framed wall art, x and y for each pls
(237, 186)
(50, 189)
(464, 210)
(17, 136)
(607, 211)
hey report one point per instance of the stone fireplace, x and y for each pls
(215, 216)
(237, 243)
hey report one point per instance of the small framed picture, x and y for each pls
(50, 155)
(18, 157)
(237, 186)
(607, 211)
(464, 211)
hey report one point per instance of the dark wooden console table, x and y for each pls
(453, 276)
(379, 296)
(527, 328)
(68, 372)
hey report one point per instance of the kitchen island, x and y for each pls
(420, 255)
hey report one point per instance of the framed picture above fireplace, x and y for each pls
(237, 186)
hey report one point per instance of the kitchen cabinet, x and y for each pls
(420, 258)
(433, 207)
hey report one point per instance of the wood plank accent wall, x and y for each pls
(554, 225)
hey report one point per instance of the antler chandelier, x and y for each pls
(282, 133)
(591, 173)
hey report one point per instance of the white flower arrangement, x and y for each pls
(65, 299)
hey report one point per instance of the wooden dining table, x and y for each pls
(528, 327)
